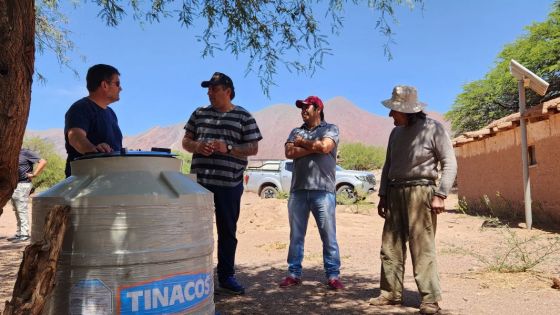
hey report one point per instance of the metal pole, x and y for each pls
(525, 157)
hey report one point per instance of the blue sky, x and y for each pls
(437, 50)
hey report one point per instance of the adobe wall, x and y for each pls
(493, 166)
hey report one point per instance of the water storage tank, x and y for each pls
(140, 239)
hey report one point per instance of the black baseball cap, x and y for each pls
(219, 78)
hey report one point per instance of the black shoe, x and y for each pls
(21, 238)
(13, 238)
(230, 285)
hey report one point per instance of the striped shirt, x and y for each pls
(234, 127)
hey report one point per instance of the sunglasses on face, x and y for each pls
(306, 106)
(117, 83)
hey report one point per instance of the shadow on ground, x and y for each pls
(263, 296)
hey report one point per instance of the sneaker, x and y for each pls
(290, 282)
(382, 301)
(429, 308)
(21, 238)
(230, 285)
(13, 238)
(335, 284)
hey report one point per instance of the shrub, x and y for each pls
(187, 160)
(519, 254)
(54, 170)
(357, 156)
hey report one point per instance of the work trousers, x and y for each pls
(20, 203)
(227, 202)
(409, 219)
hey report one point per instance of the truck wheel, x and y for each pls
(269, 192)
(346, 193)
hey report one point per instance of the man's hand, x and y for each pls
(77, 138)
(38, 169)
(204, 148)
(438, 204)
(293, 152)
(298, 141)
(382, 207)
(104, 148)
(198, 147)
(219, 146)
(322, 146)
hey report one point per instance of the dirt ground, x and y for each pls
(263, 234)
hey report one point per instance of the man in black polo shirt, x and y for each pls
(20, 197)
(90, 125)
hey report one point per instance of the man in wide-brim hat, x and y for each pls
(410, 200)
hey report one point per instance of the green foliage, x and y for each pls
(187, 160)
(363, 207)
(54, 170)
(52, 33)
(496, 95)
(270, 33)
(463, 205)
(343, 199)
(358, 206)
(357, 156)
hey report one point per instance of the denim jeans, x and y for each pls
(323, 206)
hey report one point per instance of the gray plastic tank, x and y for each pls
(140, 239)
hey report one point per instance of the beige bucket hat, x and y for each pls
(404, 100)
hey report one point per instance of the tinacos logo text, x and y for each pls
(169, 295)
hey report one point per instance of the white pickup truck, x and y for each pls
(268, 178)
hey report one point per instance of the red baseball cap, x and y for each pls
(311, 100)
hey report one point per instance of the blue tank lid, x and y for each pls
(155, 152)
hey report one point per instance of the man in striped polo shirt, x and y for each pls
(221, 136)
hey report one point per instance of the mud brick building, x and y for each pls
(490, 171)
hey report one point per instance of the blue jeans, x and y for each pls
(323, 206)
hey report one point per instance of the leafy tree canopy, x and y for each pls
(496, 95)
(263, 30)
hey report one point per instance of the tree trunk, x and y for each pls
(37, 272)
(17, 58)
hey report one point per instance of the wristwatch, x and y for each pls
(229, 148)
